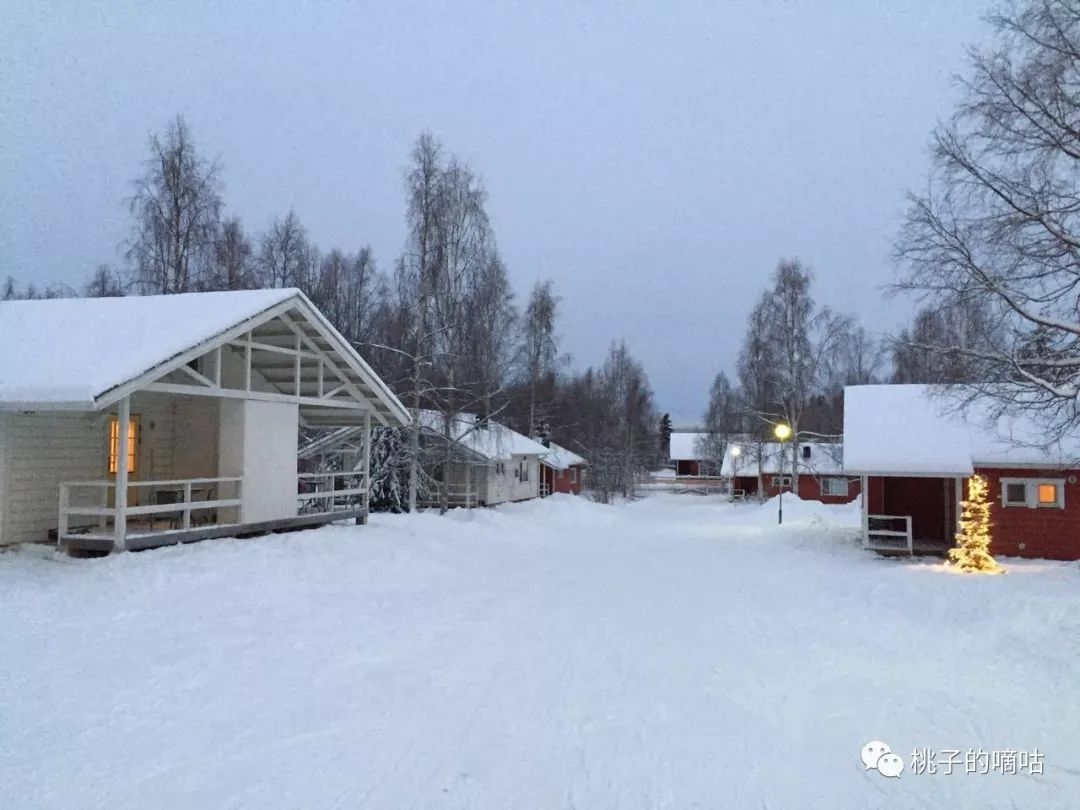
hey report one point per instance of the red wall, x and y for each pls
(687, 468)
(1015, 531)
(560, 480)
(809, 488)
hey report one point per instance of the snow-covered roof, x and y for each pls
(916, 429)
(815, 458)
(72, 350)
(559, 458)
(687, 446)
(71, 353)
(492, 441)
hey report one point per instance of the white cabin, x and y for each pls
(129, 423)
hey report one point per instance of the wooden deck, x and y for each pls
(920, 548)
(141, 542)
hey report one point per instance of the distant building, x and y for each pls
(562, 471)
(820, 470)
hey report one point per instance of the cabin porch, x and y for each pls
(199, 468)
(910, 515)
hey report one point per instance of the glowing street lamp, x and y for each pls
(783, 433)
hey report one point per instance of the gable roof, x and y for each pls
(686, 446)
(494, 441)
(915, 429)
(85, 353)
(559, 458)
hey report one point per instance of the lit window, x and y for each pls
(114, 443)
(1033, 493)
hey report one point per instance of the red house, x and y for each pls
(562, 471)
(914, 451)
(688, 454)
(819, 467)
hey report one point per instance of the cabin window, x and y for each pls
(806, 452)
(834, 486)
(114, 444)
(500, 468)
(523, 470)
(1033, 493)
(573, 475)
(781, 481)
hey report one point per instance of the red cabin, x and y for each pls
(915, 452)
(562, 471)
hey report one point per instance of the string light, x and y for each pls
(972, 552)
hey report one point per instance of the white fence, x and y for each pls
(329, 492)
(889, 533)
(89, 506)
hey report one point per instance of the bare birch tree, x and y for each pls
(175, 208)
(1000, 222)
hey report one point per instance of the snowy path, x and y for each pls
(673, 653)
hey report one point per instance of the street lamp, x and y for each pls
(783, 433)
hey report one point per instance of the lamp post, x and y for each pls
(736, 451)
(783, 433)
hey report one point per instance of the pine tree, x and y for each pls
(665, 438)
(972, 552)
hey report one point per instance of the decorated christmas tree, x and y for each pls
(972, 552)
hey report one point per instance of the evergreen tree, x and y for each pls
(972, 552)
(665, 438)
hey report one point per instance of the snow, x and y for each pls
(69, 351)
(916, 429)
(686, 446)
(493, 441)
(559, 458)
(673, 652)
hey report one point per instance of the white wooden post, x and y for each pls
(247, 363)
(187, 505)
(468, 486)
(367, 462)
(296, 367)
(865, 511)
(62, 519)
(123, 419)
(910, 539)
(217, 367)
(320, 377)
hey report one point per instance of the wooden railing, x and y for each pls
(175, 498)
(457, 495)
(333, 491)
(889, 533)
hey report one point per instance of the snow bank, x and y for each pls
(671, 652)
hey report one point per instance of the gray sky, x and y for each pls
(654, 159)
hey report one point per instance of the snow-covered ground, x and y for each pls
(675, 652)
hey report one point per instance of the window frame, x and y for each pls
(112, 462)
(573, 475)
(781, 481)
(1031, 493)
(835, 481)
(523, 470)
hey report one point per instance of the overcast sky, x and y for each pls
(654, 159)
